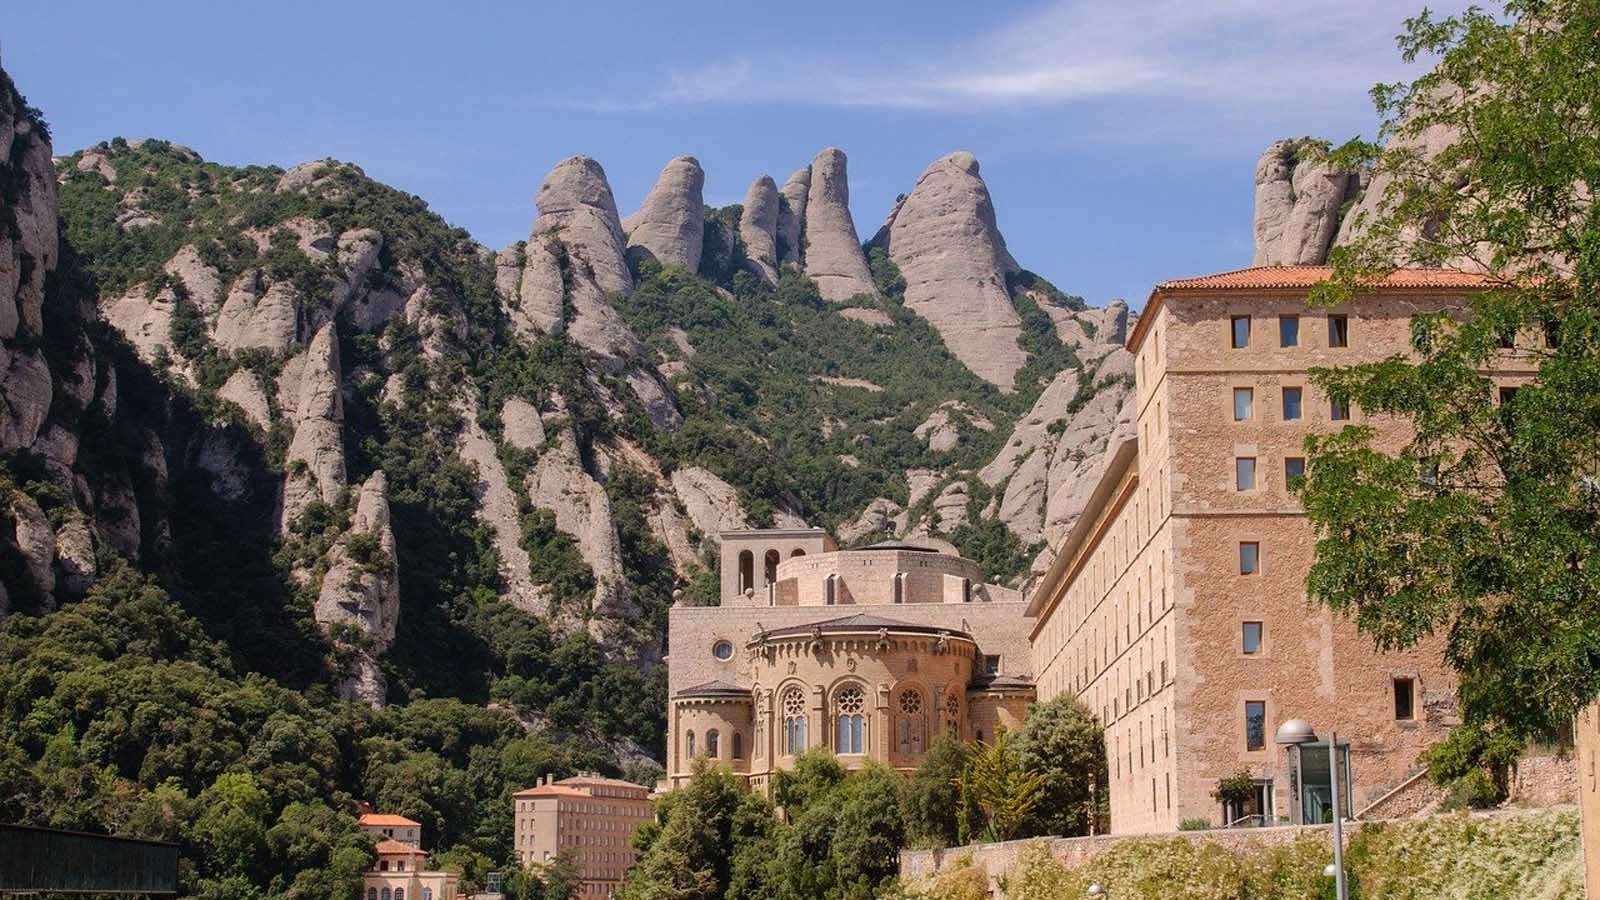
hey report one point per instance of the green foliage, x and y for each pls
(1063, 742)
(1473, 764)
(119, 713)
(1235, 789)
(933, 799)
(814, 775)
(1195, 824)
(554, 559)
(1006, 794)
(1485, 525)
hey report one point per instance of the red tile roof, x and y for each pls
(1296, 278)
(384, 820)
(1288, 277)
(551, 790)
(388, 847)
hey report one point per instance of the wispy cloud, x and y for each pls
(1240, 52)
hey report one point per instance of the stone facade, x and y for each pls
(1176, 607)
(868, 653)
(588, 817)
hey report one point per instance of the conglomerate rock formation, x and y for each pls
(944, 238)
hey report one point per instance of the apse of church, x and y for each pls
(869, 653)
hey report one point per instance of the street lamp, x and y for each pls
(1296, 733)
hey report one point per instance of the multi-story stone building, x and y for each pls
(588, 817)
(1176, 608)
(869, 653)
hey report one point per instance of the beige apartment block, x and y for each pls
(588, 817)
(1176, 608)
(869, 653)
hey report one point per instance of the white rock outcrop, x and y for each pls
(559, 483)
(944, 239)
(1298, 204)
(316, 452)
(670, 226)
(1053, 459)
(258, 316)
(832, 251)
(361, 590)
(711, 503)
(575, 202)
(792, 217)
(758, 228)
(498, 508)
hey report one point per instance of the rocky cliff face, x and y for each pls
(831, 251)
(670, 227)
(758, 228)
(944, 238)
(360, 593)
(310, 380)
(1299, 202)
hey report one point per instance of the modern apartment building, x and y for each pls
(588, 817)
(1176, 608)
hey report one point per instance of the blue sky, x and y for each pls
(1118, 139)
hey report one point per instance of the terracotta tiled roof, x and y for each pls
(551, 790)
(600, 780)
(1287, 277)
(392, 847)
(385, 820)
(1295, 278)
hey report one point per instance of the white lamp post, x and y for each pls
(1295, 733)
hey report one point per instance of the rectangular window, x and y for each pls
(1255, 725)
(1294, 472)
(1291, 403)
(1241, 332)
(1339, 410)
(1288, 331)
(1249, 558)
(1338, 331)
(1252, 638)
(1507, 394)
(1244, 473)
(1405, 699)
(1244, 401)
(991, 665)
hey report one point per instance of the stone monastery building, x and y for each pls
(1175, 609)
(869, 653)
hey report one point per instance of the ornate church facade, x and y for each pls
(870, 653)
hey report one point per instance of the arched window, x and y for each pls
(966, 590)
(794, 721)
(399, 894)
(688, 744)
(952, 714)
(713, 743)
(427, 893)
(738, 747)
(849, 710)
(900, 587)
(387, 894)
(772, 566)
(372, 894)
(797, 552)
(911, 721)
(829, 589)
(747, 571)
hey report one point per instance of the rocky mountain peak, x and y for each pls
(1299, 201)
(944, 239)
(670, 226)
(758, 228)
(832, 253)
(575, 202)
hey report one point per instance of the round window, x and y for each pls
(722, 650)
